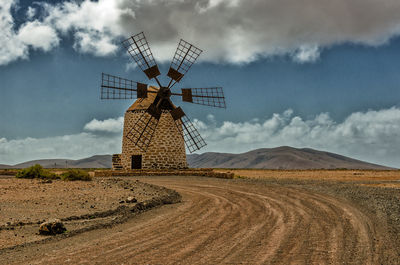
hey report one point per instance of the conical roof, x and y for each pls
(144, 103)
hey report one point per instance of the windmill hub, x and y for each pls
(164, 92)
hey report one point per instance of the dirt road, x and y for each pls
(229, 222)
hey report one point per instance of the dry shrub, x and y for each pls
(36, 171)
(76, 174)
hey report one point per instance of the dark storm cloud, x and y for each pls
(240, 31)
(234, 31)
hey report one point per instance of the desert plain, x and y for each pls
(258, 217)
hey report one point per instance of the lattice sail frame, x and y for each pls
(184, 57)
(114, 87)
(143, 130)
(209, 96)
(138, 47)
(191, 136)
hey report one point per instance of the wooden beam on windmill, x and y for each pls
(191, 136)
(139, 49)
(184, 57)
(177, 113)
(141, 90)
(208, 96)
(114, 87)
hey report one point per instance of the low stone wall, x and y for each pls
(207, 172)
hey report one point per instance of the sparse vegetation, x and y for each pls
(76, 174)
(36, 171)
(8, 172)
(239, 177)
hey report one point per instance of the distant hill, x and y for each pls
(97, 161)
(269, 158)
(279, 158)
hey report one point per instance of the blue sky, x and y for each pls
(304, 79)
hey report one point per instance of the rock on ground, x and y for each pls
(52, 227)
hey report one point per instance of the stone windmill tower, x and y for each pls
(155, 130)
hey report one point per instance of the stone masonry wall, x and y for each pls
(167, 147)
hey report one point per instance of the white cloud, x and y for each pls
(15, 43)
(99, 137)
(94, 43)
(69, 146)
(38, 35)
(373, 136)
(94, 25)
(130, 66)
(307, 53)
(31, 12)
(109, 125)
(11, 48)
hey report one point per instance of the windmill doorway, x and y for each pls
(136, 162)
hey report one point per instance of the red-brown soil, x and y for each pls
(25, 203)
(241, 222)
(317, 174)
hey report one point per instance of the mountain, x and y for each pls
(279, 158)
(269, 158)
(97, 161)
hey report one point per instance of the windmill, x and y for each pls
(155, 130)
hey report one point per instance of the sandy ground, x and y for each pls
(329, 175)
(242, 221)
(25, 203)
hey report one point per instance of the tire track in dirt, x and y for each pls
(227, 222)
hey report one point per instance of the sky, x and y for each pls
(312, 73)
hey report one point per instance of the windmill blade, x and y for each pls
(184, 57)
(209, 96)
(143, 130)
(191, 136)
(114, 87)
(138, 47)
